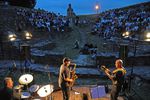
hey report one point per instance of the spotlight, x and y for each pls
(147, 37)
(12, 37)
(28, 35)
(126, 34)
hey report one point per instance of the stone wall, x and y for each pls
(136, 61)
(49, 59)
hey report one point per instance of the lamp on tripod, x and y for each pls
(135, 41)
(24, 50)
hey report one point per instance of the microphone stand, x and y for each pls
(131, 74)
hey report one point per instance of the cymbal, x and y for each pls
(45, 90)
(25, 79)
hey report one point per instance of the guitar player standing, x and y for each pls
(64, 78)
(117, 78)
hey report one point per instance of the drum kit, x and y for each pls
(26, 79)
(33, 91)
(45, 90)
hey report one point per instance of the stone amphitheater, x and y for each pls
(47, 49)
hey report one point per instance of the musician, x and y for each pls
(64, 78)
(6, 93)
(117, 77)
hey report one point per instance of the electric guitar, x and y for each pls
(107, 72)
(103, 68)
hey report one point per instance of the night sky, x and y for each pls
(83, 6)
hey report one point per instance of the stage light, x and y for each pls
(28, 35)
(12, 37)
(147, 37)
(126, 34)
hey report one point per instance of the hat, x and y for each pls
(66, 59)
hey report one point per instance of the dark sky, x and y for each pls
(83, 6)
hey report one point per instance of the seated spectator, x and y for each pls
(6, 93)
(76, 44)
(88, 49)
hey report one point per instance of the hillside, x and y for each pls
(18, 19)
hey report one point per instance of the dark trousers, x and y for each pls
(115, 92)
(66, 92)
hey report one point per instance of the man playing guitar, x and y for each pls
(117, 77)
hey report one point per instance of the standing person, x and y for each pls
(6, 93)
(64, 78)
(117, 77)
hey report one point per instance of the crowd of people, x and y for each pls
(42, 19)
(112, 23)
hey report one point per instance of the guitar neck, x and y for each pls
(104, 68)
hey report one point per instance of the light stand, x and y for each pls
(28, 36)
(132, 66)
(12, 37)
(135, 43)
(97, 8)
(127, 35)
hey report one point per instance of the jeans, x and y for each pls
(115, 92)
(66, 92)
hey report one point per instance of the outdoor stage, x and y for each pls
(91, 92)
(78, 93)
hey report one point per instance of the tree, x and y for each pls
(22, 3)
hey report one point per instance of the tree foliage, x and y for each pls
(22, 3)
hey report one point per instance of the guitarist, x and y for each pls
(64, 78)
(117, 77)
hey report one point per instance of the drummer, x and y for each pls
(6, 93)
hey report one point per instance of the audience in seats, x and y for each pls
(112, 23)
(41, 19)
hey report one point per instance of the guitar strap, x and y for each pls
(120, 69)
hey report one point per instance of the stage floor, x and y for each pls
(79, 93)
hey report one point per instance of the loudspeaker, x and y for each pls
(25, 51)
(123, 52)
